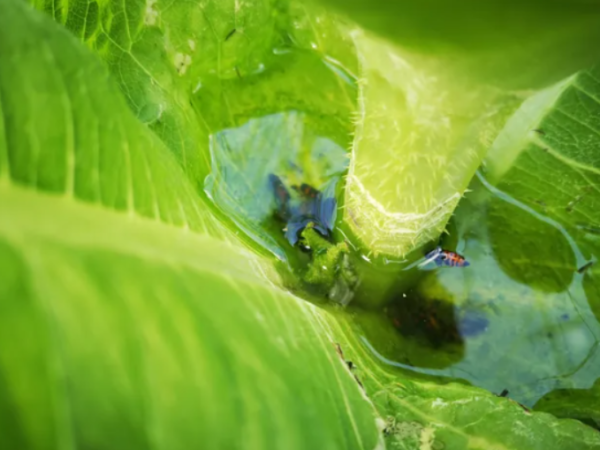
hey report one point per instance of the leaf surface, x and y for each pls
(514, 44)
(130, 317)
(158, 338)
(421, 134)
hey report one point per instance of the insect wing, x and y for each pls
(293, 229)
(328, 205)
(433, 256)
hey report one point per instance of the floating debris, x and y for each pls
(230, 34)
(585, 267)
(573, 203)
(351, 366)
(432, 319)
(589, 228)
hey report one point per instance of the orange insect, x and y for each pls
(446, 258)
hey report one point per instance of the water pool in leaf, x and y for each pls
(244, 160)
(276, 136)
(520, 317)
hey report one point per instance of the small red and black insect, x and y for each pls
(445, 258)
(452, 259)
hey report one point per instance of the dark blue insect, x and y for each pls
(312, 205)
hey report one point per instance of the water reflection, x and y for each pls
(249, 163)
(484, 325)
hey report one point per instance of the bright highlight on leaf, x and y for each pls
(420, 136)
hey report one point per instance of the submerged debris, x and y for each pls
(418, 317)
(472, 324)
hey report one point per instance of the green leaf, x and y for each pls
(549, 267)
(580, 404)
(421, 134)
(430, 107)
(129, 332)
(133, 334)
(515, 44)
(542, 222)
(159, 51)
(66, 130)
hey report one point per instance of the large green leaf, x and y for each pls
(123, 332)
(580, 404)
(433, 99)
(160, 51)
(546, 162)
(67, 130)
(516, 44)
(129, 341)
(421, 134)
(115, 325)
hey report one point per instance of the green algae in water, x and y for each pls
(330, 269)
